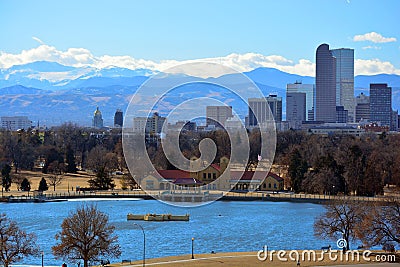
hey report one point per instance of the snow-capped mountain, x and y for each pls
(53, 93)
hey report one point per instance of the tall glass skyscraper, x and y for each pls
(345, 80)
(380, 97)
(325, 82)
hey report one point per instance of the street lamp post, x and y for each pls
(192, 247)
(144, 243)
(42, 258)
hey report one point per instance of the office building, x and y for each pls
(218, 115)
(275, 104)
(14, 123)
(380, 96)
(118, 119)
(362, 108)
(325, 85)
(345, 80)
(151, 125)
(265, 109)
(97, 119)
(295, 109)
(395, 122)
(309, 90)
(341, 114)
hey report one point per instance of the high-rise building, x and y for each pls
(151, 125)
(362, 108)
(395, 122)
(325, 83)
(275, 104)
(118, 119)
(97, 119)
(295, 109)
(265, 109)
(218, 115)
(341, 114)
(309, 90)
(14, 123)
(380, 96)
(345, 80)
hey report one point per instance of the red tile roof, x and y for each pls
(216, 166)
(174, 174)
(252, 175)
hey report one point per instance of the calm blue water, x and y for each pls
(220, 226)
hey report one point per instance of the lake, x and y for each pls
(221, 226)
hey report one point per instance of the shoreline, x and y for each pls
(23, 197)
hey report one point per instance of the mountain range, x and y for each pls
(51, 93)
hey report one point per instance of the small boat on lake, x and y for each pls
(158, 217)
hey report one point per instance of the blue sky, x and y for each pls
(158, 31)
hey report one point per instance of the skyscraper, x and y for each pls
(97, 119)
(265, 109)
(380, 97)
(325, 81)
(295, 109)
(362, 108)
(345, 80)
(309, 90)
(118, 118)
(275, 104)
(218, 115)
(149, 125)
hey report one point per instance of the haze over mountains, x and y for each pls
(53, 93)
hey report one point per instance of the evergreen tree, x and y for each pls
(297, 170)
(43, 185)
(6, 178)
(25, 185)
(70, 160)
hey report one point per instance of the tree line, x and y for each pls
(340, 164)
(334, 164)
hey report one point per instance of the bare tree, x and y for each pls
(55, 180)
(103, 163)
(340, 221)
(381, 224)
(15, 244)
(86, 235)
(56, 167)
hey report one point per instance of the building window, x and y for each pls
(274, 185)
(149, 184)
(269, 185)
(214, 176)
(204, 176)
(209, 176)
(264, 186)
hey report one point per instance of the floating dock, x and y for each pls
(158, 217)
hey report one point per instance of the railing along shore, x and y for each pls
(230, 196)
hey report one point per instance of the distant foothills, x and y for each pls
(50, 93)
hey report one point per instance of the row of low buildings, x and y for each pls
(213, 177)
